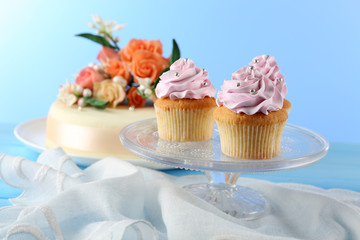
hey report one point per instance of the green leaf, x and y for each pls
(175, 55)
(77, 95)
(96, 38)
(97, 103)
(158, 79)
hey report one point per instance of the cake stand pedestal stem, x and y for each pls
(223, 177)
(235, 200)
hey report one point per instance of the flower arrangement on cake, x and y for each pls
(128, 75)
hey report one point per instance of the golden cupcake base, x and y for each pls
(185, 120)
(255, 136)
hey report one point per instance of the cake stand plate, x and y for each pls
(300, 147)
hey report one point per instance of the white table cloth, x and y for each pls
(113, 199)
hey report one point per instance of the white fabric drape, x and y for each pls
(113, 199)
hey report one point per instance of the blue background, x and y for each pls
(316, 44)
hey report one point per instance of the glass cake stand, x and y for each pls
(300, 147)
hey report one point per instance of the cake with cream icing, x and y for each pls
(252, 110)
(91, 132)
(89, 114)
(185, 103)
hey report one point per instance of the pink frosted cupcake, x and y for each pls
(185, 103)
(252, 110)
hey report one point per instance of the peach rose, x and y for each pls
(134, 45)
(107, 54)
(87, 77)
(134, 98)
(110, 91)
(146, 64)
(117, 68)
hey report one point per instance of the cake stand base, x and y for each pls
(237, 201)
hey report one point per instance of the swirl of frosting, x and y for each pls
(269, 67)
(185, 80)
(250, 91)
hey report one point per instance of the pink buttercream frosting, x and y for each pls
(185, 80)
(258, 88)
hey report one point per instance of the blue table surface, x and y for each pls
(340, 168)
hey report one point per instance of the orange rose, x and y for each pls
(154, 46)
(146, 64)
(117, 68)
(134, 45)
(134, 98)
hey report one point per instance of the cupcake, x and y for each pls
(185, 103)
(252, 110)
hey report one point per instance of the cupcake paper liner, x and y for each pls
(182, 125)
(250, 141)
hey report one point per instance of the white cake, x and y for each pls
(92, 132)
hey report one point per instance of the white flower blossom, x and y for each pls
(98, 67)
(92, 25)
(120, 80)
(97, 19)
(64, 96)
(145, 87)
(92, 64)
(105, 29)
(110, 24)
(119, 27)
(70, 85)
(141, 88)
(148, 93)
(146, 82)
(78, 89)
